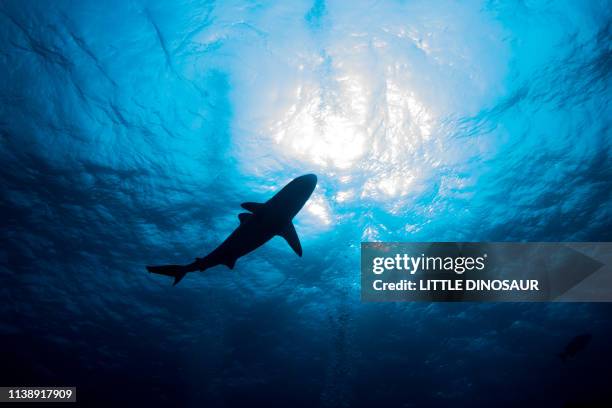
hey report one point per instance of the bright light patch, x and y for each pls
(365, 104)
(343, 196)
(353, 137)
(319, 207)
(314, 131)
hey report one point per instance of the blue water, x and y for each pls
(132, 131)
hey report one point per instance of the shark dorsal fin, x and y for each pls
(243, 217)
(291, 237)
(252, 207)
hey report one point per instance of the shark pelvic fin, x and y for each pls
(252, 207)
(292, 238)
(230, 263)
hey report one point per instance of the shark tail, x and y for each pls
(178, 272)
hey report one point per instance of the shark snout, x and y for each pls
(310, 180)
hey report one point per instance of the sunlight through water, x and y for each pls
(131, 132)
(369, 110)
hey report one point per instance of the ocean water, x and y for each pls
(131, 131)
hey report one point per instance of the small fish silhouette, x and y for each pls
(575, 345)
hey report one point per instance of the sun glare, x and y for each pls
(367, 134)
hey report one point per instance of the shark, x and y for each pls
(261, 223)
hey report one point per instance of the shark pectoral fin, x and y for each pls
(292, 238)
(244, 217)
(252, 207)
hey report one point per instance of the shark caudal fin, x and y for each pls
(178, 272)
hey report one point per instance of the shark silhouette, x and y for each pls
(262, 223)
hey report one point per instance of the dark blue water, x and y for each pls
(132, 131)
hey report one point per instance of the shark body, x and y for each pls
(258, 226)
